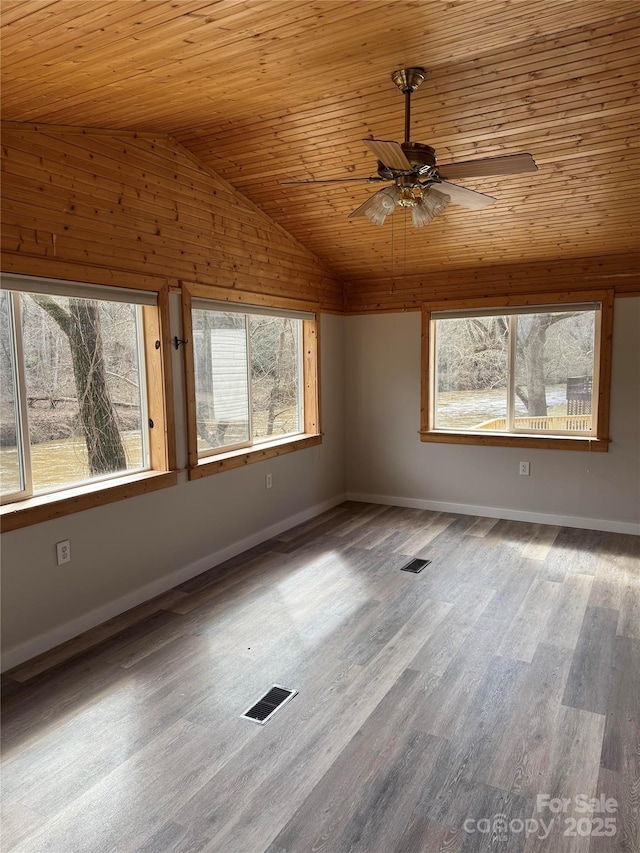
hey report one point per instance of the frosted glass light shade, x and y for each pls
(378, 206)
(432, 204)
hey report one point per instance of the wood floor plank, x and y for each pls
(376, 531)
(53, 696)
(173, 838)
(629, 619)
(514, 535)
(591, 668)
(478, 732)
(371, 639)
(481, 526)
(383, 812)
(447, 704)
(475, 803)
(574, 750)
(525, 632)
(622, 730)
(438, 651)
(424, 700)
(422, 834)
(17, 822)
(574, 551)
(565, 620)
(538, 547)
(316, 524)
(215, 574)
(624, 789)
(450, 537)
(415, 544)
(616, 561)
(511, 591)
(450, 796)
(523, 751)
(358, 519)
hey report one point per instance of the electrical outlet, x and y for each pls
(268, 481)
(524, 469)
(63, 552)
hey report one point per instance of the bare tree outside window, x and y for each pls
(82, 376)
(274, 375)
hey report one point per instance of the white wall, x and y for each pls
(387, 462)
(126, 552)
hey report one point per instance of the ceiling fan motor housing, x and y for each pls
(418, 154)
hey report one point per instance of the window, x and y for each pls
(254, 381)
(248, 370)
(525, 371)
(75, 402)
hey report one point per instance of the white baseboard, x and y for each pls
(48, 640)
(500, 512)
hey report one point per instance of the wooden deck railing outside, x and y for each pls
(552, 423)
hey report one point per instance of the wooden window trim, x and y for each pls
(599, 442)
(312, 436)
(47, 507)
(240, 458)
(162, 445)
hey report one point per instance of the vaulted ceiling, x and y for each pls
(262, 91)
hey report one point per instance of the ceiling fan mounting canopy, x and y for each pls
(408, 79)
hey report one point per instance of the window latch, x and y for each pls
(179, 342)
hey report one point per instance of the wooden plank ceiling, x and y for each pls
(267, 90)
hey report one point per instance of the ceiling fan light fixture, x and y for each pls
(376, 217)
(436, 201)
(432, 204)
(382, 204)
(420, 215)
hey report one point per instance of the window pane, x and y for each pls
(221, 378)
(275, 375)
(554, 371)
(10, 463)
(471, 373)
(84, 390)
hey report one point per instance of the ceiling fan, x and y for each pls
(416, 181)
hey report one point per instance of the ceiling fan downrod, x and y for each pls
(408, 80)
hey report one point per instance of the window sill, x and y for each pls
(245, 456)
(551, 442)
(47, 507)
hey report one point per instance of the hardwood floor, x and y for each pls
(433, 709)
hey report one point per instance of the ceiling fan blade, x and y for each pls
(512, 164)
(374, 180)
(389, 153)
(464, 197)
